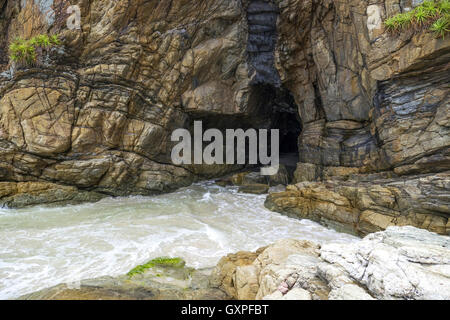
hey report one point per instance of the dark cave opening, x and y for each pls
(269, 107)
(277, 109)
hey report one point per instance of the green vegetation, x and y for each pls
(158, 262)
(27, 51)
(431, 15)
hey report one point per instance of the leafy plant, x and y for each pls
(421, 15)
(432, 15)
(444, 7)
(26, 51)
(441, 27)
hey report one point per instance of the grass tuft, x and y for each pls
(430, 15)
(26, 51)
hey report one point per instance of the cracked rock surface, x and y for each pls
(398, 263)
(96, 118)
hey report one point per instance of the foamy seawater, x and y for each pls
(42, 247)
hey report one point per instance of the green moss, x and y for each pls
(430, 15)
(157, 262)
(26, 51)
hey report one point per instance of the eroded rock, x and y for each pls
(362, 206)
(399, 263)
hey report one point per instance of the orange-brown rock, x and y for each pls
(362, 207)
(97, 115)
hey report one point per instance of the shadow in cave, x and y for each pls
(278, 109)
(269, 107)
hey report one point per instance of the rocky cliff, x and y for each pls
(95, 119)
(375, 112)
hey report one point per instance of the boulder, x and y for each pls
(398, 263)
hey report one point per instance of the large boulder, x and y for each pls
(399, 263)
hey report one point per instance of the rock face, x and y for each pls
(370, 103)
(367, 100)
(98, 116)
(399, 263)
(23, 194)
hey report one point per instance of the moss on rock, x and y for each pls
(157, 262)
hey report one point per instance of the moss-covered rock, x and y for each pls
(162, 262)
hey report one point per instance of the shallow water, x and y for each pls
(41, 247)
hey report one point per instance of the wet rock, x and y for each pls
(25, 194)
(281, 178)
(277, 189)
(254, 188)
(254, 178)
(238, 178)
(225, 182)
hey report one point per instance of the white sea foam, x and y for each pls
(42, 247)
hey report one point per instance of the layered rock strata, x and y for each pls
(372, 104)
(364, 206)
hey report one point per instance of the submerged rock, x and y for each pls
(254, 188)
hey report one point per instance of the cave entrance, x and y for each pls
(276, 108)
(269, 107)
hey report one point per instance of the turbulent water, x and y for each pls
(42, 247)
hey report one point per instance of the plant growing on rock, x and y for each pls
(27, 52)
(431, 15)
(158, 262)
(441, 26)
